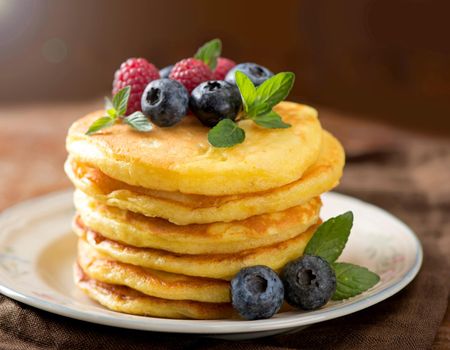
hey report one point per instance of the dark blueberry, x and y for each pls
(257, 292)
(165, 101)
(165, 72)
(257, 74)
(215, 100)
(309, 282)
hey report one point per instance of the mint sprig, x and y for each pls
(259, 101)
(328, 242)
(258, 105)
(209, 53)
(269, 93)
(116, 109)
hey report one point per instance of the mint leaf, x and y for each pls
(100, 123)
(247, 90)
(209, 53)
(259, 108)
(139, 122)
(274, 90)
(352, 280)
(112, 113)
(226, 134)
(330, 238)
(120, 100)
(270, 120)
(258, 102)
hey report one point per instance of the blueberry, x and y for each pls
(165, 72)
(165, 101)
(257, 292)
(215, 100)
(257, 74)
(309, 282)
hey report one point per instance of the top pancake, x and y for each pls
(183, 209)
(180, 158)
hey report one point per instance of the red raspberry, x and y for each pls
(191, 72)
(222, 68)
(136, 73)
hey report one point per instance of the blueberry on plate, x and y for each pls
(309, 282)
(257, 74)
(257, 292)
(165, 101)
(215, 100)
(165, 72)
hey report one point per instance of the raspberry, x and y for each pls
(191, 72)
(136, 73)
(222, 68)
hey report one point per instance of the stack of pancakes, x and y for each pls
(165, 220)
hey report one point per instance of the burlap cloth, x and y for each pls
(401, 172)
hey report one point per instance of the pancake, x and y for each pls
(180, 158)
(130, 301)
(151, 282)
(217, 238)
(218, 266)
(185, 209)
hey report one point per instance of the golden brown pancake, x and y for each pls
(217, 238)
(185, 209)
(151, 282)
(130, 301)
(218, 266)
(180, 158)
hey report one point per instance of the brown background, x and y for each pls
(382, 59)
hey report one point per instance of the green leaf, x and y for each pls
(274, 90)
(271, 120)
(246, 89)
(226, 134)
(139, 122)
(209, 53)
(259, 108)
(112, 112)
(100, 123)
(120, 100)
(352, 280)
(330, 238)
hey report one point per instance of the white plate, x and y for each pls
(37, 251)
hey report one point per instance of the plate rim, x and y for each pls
(210, 327)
